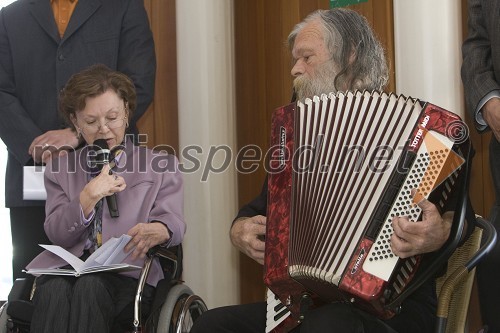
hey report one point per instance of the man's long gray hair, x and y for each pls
(353, 46)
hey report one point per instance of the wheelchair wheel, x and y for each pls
(180, 310)
(9, 324)
(3, 318)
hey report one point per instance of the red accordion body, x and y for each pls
(341, 167)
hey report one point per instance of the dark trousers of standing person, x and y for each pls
(26, 224)
(488, 271)
(96, 302)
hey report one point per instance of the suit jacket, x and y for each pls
(154, 192)
(481, 66)
(35, 64)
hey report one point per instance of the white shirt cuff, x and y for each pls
(86, 221)
(479, 113)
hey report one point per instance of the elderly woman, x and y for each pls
(98, 103)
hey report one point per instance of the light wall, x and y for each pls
(206, 120)
(427, 40)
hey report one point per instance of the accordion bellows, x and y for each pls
(341, 166)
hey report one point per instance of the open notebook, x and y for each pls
(109, 257)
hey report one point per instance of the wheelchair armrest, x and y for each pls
(21, 289)
(171, 256)
(21, 310)
(19, 304)
(164, 252)
(170, 260)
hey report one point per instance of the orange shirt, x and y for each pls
(62, 13)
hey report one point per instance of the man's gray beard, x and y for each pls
(322, 83)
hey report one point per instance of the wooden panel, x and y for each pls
(251, 116)
(160, 122)
(146, 122)
(165, 101)
(264, 82)
(380, 17)
(481, 186)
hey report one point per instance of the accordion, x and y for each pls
(341, 167)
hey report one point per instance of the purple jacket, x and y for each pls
(154, 192)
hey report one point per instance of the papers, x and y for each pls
(33, 186)
(108, 257)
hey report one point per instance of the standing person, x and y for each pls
(42, 43)
(336, 50)
(98, 103)
(481, 80)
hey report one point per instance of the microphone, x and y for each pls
(102, 153)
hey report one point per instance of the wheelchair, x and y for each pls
(175, 307)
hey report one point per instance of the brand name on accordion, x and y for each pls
(282, 151)
(358, 261)
(420, 132)
(425, 121)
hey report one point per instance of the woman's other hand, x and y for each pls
(146, 236)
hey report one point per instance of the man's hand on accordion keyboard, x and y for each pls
(247, 234)
(412, 238)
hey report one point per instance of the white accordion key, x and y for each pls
(276, 313)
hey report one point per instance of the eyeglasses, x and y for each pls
(96, 126)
